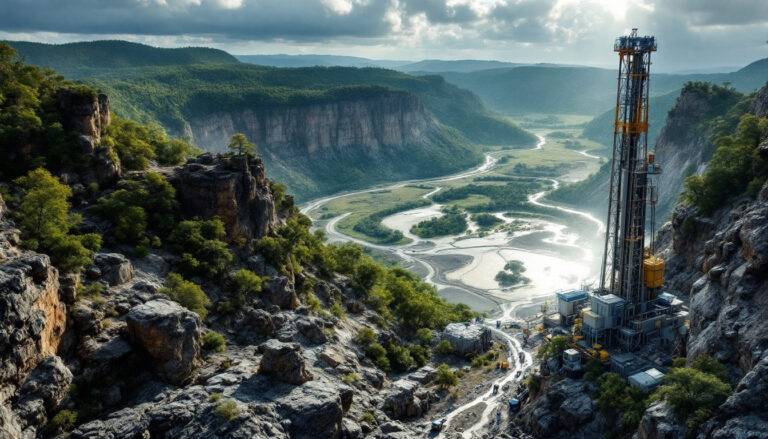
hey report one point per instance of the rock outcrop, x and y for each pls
(284, 362)
(406, 399)
(566, 410)
(467, 338)
(659, 422)
(233, 188)
(170, 334)
(759, 106)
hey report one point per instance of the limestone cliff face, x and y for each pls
(235, 189)
(393, 120)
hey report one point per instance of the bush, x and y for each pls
(444, 348)
(63, 421)
(378, 355)
(186, 293)
(201, 246)
(445, 378)
(213, 341)
(244, 287)
(368, 418)
(365, 337)
(350, 378)
(450, 224)
(215, 397)
(338, 311)
(425, 336)
(399, 358)
(228, 411)
(594, 369)
(693, 395)
(419, 353)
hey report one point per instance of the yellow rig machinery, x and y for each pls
(628, 310)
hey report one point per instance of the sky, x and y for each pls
(692, 34)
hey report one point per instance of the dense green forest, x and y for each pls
(512, 195)
(449, 224)
(75, 60)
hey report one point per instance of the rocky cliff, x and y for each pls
(33, 322)
(234, 188)
(321, 148)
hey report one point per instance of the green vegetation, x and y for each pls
(425, 336)
(735, 169)
(444, 347)
(215, 397)
(365, 336)
(244, 287)
(137, 144)
(64, 420)
(239, 143)
(141, 205)
(486, 359)
(695, 393)
(486, 220)
(445, 378)
(228, 411)
(554, 348)
(512, 274)
(201, 245)
(368, 418)
(449, 224)
(186, 293)
(513, 195)
(213, 341)
(371, 225)
(45, 223)
(615, 396)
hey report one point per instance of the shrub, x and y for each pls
(338, 311)
(350, 378)
(213, 341)
(186, 293)
(63, 421)
(201, 246)
(365, 337)
(693, 395)
(419, 353)
(533, 383)
(378, 355)
(444, 348)
(368, 418)
(445, 378)
(228, 411)
(244, 287)
(215, 397)
(399, 358)
(554, 348)
(425, 336)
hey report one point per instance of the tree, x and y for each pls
(445, 378)
(693, 395)
(554, 348)
(707, 364)
(244, 285)
(187, 294)
(425, 336)
(365, 337)
(44, 206)
(240, 144)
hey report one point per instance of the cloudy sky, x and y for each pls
(693, 34)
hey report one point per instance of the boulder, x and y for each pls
(279, 291)
(43, 391)
(251, 324)
(312, 329)
(114, 268)
(332, 357)
(315, 410)
(170, 334)
(425, 375)
(284, 361)
(467, 338)
(566, 410)
(403, 400)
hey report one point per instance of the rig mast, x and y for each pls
(631, 188)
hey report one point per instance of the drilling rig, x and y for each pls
(629, 309)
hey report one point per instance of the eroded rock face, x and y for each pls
(314, 410)
(284, 362)
(233, 188)
(660, 423)
(43, 391)
(467, 338)
(113, 268)
(565, 411)
(759, 105)
(170, 334)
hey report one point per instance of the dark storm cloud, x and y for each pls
(253, 19)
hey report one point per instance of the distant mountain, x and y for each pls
(600, 129)
(78, 59)
(282, 60)
(460, 66)
(580, 90)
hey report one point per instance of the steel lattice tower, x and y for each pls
(622, 266)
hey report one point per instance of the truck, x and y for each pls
(438, 424)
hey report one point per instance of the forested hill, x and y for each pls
(580, 90)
